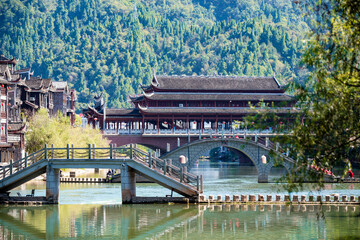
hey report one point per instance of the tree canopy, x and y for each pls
(114, 46)
(329, 136)
(58, 131)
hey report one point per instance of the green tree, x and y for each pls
(331, 99)
(58, 131)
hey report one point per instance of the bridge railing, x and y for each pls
(16, 166)
(90, 152)
(167, 168)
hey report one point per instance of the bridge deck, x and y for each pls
(158, 170)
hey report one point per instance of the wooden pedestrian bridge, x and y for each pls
(131, 160)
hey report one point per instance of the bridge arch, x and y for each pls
(254, 151)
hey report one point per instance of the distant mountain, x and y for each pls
(113, 46)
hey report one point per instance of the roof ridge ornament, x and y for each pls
(154, 82)
(277, 82)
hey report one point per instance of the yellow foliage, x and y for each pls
(58, 131)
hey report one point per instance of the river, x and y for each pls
(94, 211)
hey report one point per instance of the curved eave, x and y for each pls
(193, 96)
(212, 111)
(145, 87)
(12, 61)
(95, 111)
(136, 98)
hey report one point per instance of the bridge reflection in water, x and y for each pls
(178, 221)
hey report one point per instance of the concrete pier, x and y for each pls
(128, 183)
(52, 184)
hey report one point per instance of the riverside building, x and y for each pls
(194, 105)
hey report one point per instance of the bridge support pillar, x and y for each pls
(128, 184)
(263, 178)
(52, 184)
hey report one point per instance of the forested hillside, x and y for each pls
(113, 46)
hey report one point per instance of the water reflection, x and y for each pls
(178, 221)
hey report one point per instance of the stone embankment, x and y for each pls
(82, 180)
(268, 199)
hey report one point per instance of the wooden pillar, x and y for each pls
(187, 123)
(202, 123)
(143, 124)
(158, 124)
(216, 123)
(173, 124)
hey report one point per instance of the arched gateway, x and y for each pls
(253, 150)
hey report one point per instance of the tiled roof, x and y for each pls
(217, 110)
(195, 96)
(25, 70)
(59, 85)
(122, 111)
(231, 83)
(34, 83)
(47, 82)
(3, 58)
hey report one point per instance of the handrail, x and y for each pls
(74, 153)
(165, 167)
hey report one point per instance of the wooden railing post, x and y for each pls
(150, 160)
(72, 151)
(164, 166)
(181, 174)
(169, 161)
(89, 151)
(45, 152)
(131, 153)
(67, 151)
(11, 167)
(94, 151)
(52, 151)
(111, 151)
(197, 182)
(114, 151)
(26, 162)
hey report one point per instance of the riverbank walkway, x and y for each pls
(130, 160)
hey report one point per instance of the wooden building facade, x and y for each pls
(195, 104)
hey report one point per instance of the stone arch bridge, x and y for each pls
(252, 149)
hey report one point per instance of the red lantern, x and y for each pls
(2, 128)
(9, 128)
(165, 122)
(95, 119)
(2, 85)
(9, 88)
(9, 104)
(281, 122)
(214, 136)
(252, 123)
(204, 137)
(237, 137)
(2, 104)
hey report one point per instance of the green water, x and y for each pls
(94, 211)
(89, 221)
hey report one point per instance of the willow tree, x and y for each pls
(330, 99)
